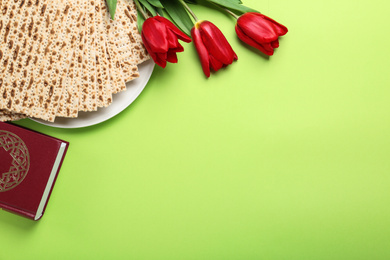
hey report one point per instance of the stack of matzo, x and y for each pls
(59, 57)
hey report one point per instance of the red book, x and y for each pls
(29, 165)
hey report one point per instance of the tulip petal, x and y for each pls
(257, 28)
(161, 40)
(155, 33)
(280, 29)
(268, 47)
(151, 53)
(215, 64)
(172, 57)
(275, 44)
(162, 59)
(201, 50)
(182, 36)
(173, 43)
(260, 31)
(216, 43)
(245, 38)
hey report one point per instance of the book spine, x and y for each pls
(55, 179)
(17, 211)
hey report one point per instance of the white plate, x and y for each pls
(120, 101)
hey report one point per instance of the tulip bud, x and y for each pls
(160, 37)
(213, 49)
(260, 31)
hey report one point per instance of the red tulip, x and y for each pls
(161, 39)
(213, 49)
(260, 31)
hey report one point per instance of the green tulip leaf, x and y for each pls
(160, 11)
(233, 5)
(179, 15)
(140, 20)
(203, 1)
(155, 3)
(111, 4)
(148, 7)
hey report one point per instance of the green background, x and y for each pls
(284, 157)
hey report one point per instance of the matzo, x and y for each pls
(9, 116)
(117, 35)
(69, 100)
(116, 74)
(104, 83)
(127, 13)
(55, 65)
(89, 91)
(60, 57)
(36, 28)
(9, 41)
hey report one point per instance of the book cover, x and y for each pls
(29, 165)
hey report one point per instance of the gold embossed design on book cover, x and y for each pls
(18, 163)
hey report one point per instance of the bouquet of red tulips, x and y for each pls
(164, 22)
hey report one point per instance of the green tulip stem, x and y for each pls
(189, 10)
(231, 13)
(140, 9)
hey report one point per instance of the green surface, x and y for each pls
(279, 158)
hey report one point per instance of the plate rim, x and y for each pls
(145, 70)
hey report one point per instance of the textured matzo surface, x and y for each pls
(69, 100)
(60, 57)
(8, 116)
